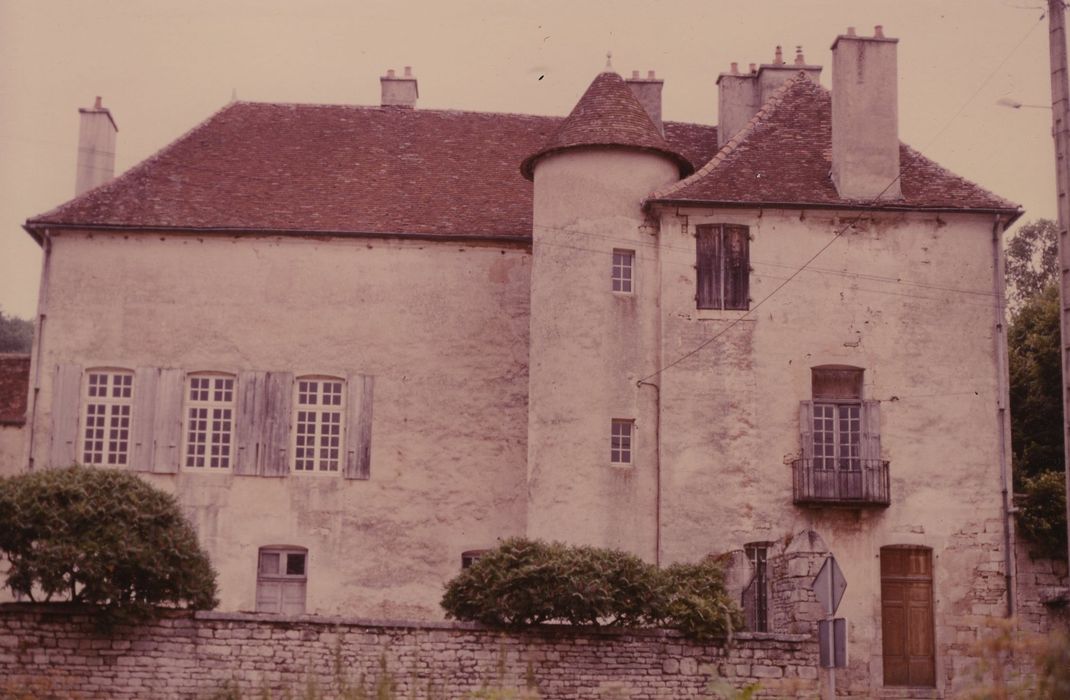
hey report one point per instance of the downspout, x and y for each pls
(38, 343)
(1003, 414)
(657, 470)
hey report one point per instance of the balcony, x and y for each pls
(856, 483)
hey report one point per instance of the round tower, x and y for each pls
(592, 433)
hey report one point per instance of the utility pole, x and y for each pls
(1060, 131)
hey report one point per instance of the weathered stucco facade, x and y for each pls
(519, 338)
(440, 483)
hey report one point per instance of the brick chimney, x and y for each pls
(741, 95)
(648, 91)
(96, 148)
(865, 114)
(399, 91)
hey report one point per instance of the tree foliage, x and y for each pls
(1042, 514)
(1035, 387)
(101, 537)
(528, 582)
(1032, 260)
(16, 334)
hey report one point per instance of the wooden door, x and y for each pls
(907, 616)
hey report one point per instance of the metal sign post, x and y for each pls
(828, 586)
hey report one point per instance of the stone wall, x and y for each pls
(1043, 587)
(57, 652)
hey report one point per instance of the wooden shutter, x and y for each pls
(708, 267)
(359, 427)
(871, 430)
(907, 616)
(167, 421)
(144, 418)
(66, 407)
(249, 421)
(806, 429)
(275, 445)
(736, 249)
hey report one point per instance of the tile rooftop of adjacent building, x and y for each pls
(14, 384)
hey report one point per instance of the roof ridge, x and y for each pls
(137, 167)
(766, 110)
(442, 110)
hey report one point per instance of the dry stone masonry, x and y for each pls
(58, 652)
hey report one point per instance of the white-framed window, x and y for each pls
(623, 270)
(837, 428)
(471, 557)
(621, 441)
(108, 401)
(281, 579)
(209, 433)
(319, 414)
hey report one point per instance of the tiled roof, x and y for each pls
(339, 169)
(14, 388)
(608, 115)
(784, 156)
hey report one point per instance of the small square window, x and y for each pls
(623, 265)
(282, 580)
(620, 441)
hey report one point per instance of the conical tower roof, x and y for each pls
(608, 115)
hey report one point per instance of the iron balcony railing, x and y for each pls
(850, 482)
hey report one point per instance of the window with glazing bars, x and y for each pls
(320, 408)
(209, 422)
(620, 441)
(837, 428)
(623, 264)
(108, 402)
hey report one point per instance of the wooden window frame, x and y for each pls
(219, 405)
(722, 274)
(622, 442)
(321, 465)
(846, 452)
(471, 556)
(281, 577)
(623, 271)
(113, 405)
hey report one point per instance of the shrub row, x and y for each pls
(529, 582)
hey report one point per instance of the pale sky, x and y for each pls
(162, 67)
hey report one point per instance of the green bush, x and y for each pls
(101, 537)
(528, 582)
(1042, 514)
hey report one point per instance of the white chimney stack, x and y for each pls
(741, 95)
(96, 148)
(648, 91)
(399, 91)
(865, 115)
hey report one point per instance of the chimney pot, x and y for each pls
(878, 32)
(850, 31)
(408, 71)
(96, 103)
(778, 57)
(390, 73)
(754, 68)
(650, 75)
(635, 75)
(799, 60)
(735, 68)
